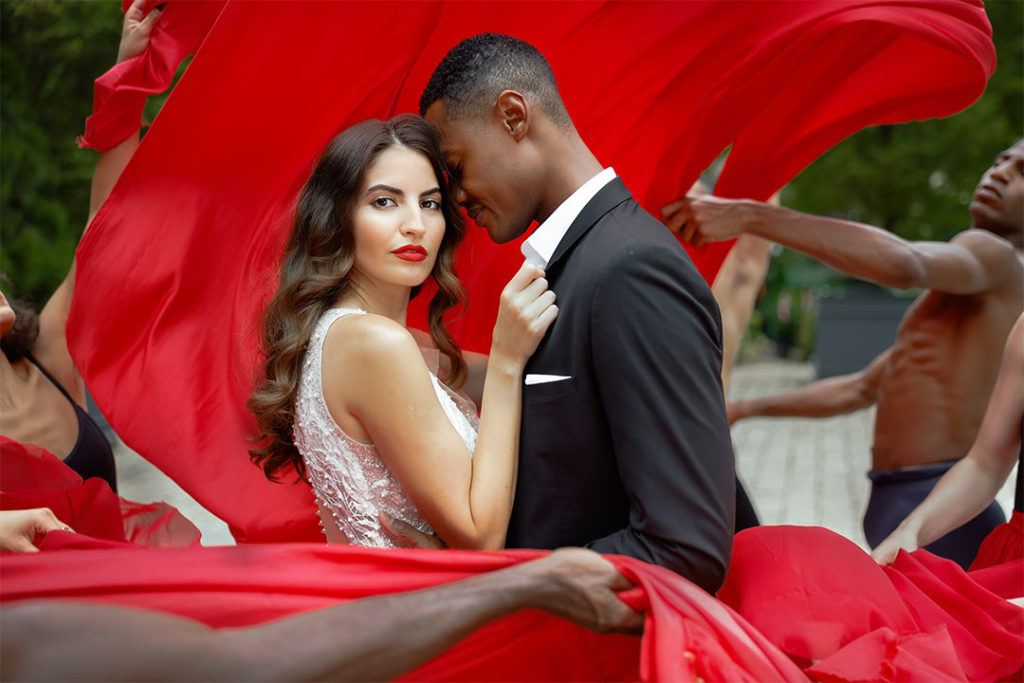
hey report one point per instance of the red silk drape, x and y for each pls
(176, 268)
(31, 477)
(798, 592)
(688, 633)
(825, 602)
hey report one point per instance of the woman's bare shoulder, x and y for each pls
(362, 345)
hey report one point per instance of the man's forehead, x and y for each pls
(1017, 149)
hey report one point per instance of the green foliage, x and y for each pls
(915, 179)
(50, 54)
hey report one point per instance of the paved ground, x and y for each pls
(797, 471)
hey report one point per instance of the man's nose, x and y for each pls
(1005, 169)
(460, 195)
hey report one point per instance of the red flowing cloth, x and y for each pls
(181, 260)
(31, 477)
(1004, 543)
(688, 634)
(827, 604)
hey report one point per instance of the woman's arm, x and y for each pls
(476, 373)
(970, 485)
(376, 374)
(51, 346)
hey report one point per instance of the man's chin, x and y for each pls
(501, 234)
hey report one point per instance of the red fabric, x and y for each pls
(180, 261)
(824, 601)
(31, 477)
(881, 655)
(1005, 580)
(688, 633)
(120, 94)
(1003, 544)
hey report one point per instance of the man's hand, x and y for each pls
(20, 528)
(408, 536)
(700, 220)
(581, 586)
(136, 30)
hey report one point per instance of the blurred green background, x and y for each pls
(914, 179)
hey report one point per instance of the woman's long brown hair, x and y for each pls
(317, 260)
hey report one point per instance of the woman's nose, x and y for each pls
(413, 224)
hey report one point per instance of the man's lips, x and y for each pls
(986, 194)
(410, 252)
(475, 212)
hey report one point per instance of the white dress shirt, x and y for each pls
(541, 245)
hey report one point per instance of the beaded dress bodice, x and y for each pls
(349, 478)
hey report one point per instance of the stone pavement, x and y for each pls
(797, 471)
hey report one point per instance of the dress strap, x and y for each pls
(52, 379)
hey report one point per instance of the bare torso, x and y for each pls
(943, 366)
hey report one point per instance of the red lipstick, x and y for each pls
(410, 252)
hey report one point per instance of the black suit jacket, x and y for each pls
(632, 454)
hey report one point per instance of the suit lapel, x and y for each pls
(611, 195)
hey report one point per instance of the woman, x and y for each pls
(42, 395)
(375, 431)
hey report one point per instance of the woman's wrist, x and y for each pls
(505, 364)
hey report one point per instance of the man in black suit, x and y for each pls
(625, 444)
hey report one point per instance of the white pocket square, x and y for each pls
(544, 379)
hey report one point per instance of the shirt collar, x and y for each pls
(540, 246)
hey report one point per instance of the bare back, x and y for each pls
(935, 387)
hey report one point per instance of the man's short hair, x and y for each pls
(473, 73)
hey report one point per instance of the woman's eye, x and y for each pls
(431, 204)
(384, 202)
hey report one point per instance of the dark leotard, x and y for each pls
(91, 456)
(895, 494)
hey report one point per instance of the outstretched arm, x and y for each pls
(825, 398)
(372, 639)
(970, 485)
(51, 347)
(975, 261)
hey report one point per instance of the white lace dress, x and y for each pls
(349, 479)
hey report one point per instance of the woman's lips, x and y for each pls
(410, 253)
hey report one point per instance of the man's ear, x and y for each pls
(515, 113)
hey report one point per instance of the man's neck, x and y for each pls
(573, 166)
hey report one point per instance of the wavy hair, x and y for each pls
(318, 258)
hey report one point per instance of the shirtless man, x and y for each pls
(931, 387)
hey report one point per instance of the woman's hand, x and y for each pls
(526, 311)
(903, 538)
(19, 529)
(136, 30)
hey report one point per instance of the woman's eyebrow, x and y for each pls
(386, 188)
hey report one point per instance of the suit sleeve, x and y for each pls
(657, 356)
